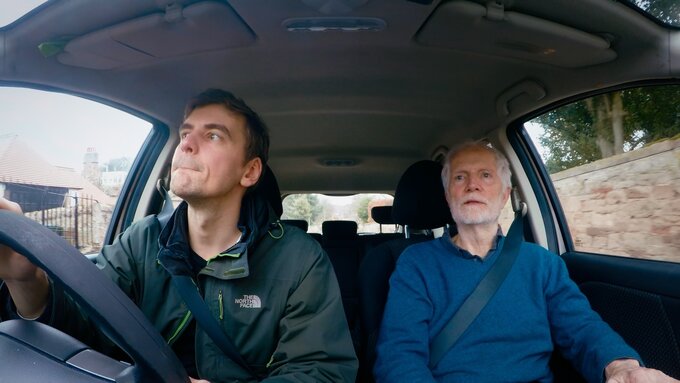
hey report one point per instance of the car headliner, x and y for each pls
(371, 101)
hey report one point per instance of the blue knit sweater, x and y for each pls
(512, 338)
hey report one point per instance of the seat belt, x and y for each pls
(166, 211)
(187, 289)
(481, 295)
(189, 292)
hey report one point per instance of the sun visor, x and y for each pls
(491, 29)
(201, 27)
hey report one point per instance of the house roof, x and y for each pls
(20, 164)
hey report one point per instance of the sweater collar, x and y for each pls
(446, 238)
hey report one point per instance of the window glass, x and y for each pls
(317, 208)
(10, 11)
(64, 160)
(666, 11)
(615, 162)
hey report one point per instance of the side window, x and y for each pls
(64, 160)
(316, 208)
(615, 162)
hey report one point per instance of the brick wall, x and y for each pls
(628, 204)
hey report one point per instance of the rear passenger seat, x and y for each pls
(302, 225)
(363, 264)
(419, 204)
(383, 216)
(341, 242)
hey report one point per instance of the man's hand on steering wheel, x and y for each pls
(27, 284)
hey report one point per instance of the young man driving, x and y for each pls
(271, 287)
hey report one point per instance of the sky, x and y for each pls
(61, 127)
(535, 131)
(11, 10)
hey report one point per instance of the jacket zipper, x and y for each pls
(179, 328)
(219, 298)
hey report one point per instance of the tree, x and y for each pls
(667, 11)
(302, 206)
(362, 209)
(608, 124)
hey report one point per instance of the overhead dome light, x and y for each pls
(344, 24)
(338, 162)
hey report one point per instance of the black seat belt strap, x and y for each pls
(481, 295)
(166, 211)
(189, 293)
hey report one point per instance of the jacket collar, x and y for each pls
(177, 257)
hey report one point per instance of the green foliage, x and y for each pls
(579, 133)
(569, 136)
(667, 11)
(362, 209)
(302, 206)
(315, 208)
(654, 112)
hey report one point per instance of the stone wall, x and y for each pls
(628, 204)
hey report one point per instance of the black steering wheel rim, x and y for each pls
(103, 301)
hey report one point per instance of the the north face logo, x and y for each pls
(249, 302)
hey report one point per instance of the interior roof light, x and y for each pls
(344, 24)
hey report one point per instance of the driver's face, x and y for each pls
(209, 161)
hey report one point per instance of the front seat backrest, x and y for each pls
(419, 200)
(268, 188)
(341, 243)
(419, 204)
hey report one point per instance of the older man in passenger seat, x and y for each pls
(511, 339)
(272, 290)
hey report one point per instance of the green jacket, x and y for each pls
(282, 311)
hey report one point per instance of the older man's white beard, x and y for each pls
(478, 215)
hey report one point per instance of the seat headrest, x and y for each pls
(268, 188)
(419, 199)
(334, 230)
(301, 223)
(382, 215)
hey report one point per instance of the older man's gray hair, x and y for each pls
(502, 164)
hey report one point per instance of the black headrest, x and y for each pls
(382, 215)
(334, 230)
(419, 200)
(301, 223)
(268, 188)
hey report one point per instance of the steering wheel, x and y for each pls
(34, 352)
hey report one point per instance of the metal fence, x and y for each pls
(75, 221)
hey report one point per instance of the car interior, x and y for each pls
(362, 96)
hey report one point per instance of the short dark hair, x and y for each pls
(257, 135)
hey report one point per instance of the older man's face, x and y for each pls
(475, 192)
